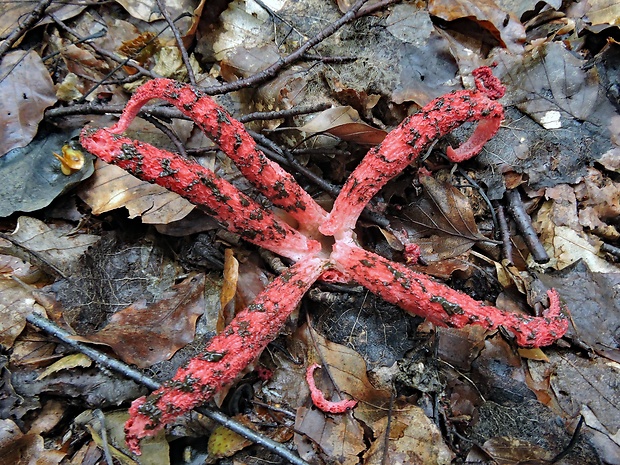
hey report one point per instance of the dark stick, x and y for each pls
(168, 132)
(610, 249)
(524, 225)
(167, 113)
(115, 365)
(33, 17)
(273, 70)
(504, 231)
(190, 72)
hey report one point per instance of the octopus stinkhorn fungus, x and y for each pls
(343, 260)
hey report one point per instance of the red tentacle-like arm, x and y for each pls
(217, 197)
(230, 135)
(411, 138)
(421, 295)
(226, 356)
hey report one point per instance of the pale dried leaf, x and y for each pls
(565, 245)
(604, 12)
(55, 246)
(345, 123)
(504, 451)
(413, 438)
(27, 90)
(16, 303)
(66, 363)
(110, 188)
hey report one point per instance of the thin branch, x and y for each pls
(122, 368)
(177, 36)
(268, 115)
(273, 70)
(33, 17)
(168, 132)
(525, 227)
(504, 233)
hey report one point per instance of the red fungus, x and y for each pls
(251, 330)
(319, 399)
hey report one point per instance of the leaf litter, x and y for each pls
(559, 125)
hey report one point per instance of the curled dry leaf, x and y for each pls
(346, 124)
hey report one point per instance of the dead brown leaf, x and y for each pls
(345, 369)
(110, 188)
(340, 438)
(510, 451)
(445, 215)
(146, 334)
(52, 246)
(413, 438)
(27, 90)
(345, 123)
(19, 448)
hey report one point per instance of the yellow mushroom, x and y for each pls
(72, 160)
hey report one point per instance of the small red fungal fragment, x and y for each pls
(264, 374)
(319, 400)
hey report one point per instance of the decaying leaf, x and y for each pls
(33, 177)
(413, 438)
(111, 187)
(445, 215)
(488, 15)
(55, 247)
(13, 13)
(21, 448)
(27, 90)
(146, 334)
